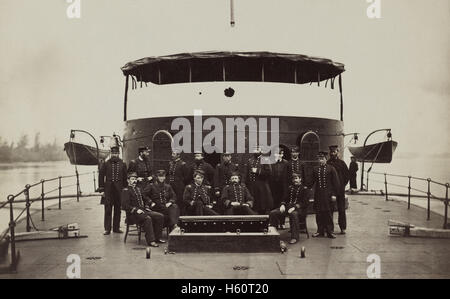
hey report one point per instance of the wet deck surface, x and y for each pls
(344, 257)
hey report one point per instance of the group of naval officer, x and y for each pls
(281, 189)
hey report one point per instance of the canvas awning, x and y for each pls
(233, 66)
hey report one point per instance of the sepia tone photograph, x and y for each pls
(234, 140)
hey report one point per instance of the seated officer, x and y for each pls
(294, 205)
(236, 198)
(135, 203)
(197, 197)
(163, 199)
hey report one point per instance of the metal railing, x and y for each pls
(44, 195)
(409, 186)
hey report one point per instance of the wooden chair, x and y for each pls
(129, 222)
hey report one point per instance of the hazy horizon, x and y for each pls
(59, 74)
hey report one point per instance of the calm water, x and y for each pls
(13, 178)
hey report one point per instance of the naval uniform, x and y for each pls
(297, 198)
(201, 197)
(161, 194)
(143, 170)
(353, 169)
(221, 179)
(112, 178)
(258, 184)
(178, 178)
(296, 166)
(343, 174)
(152, 222)
(279, 183)
(326, 183)
(205, 167)
(240, 194)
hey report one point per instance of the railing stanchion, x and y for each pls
(446, 206)
(409, 192)
(428, 199)
(12, 225)
(42, 200)
(78, 185)
(27, 205)
(59, 193)
(385, 187)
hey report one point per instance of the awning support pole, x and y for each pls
(125, 102)
(342, 98)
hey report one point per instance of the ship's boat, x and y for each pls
(82, 154)
(381, 152)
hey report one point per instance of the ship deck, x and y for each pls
(344, 257)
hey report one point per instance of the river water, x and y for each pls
(13, 178)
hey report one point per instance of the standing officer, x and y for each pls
(178, 177)
(135, 203)
(222, 177)
(257, 177)
(112, 178)
(279, 180)
(343, 174)
(200, 164)
(236, 197)
(353, 169)
(141, 165)
(197, 196)
(326, 183)
(295, 165)
(163, 200)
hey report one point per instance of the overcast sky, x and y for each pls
(58, 73)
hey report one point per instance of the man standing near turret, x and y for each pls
(112, 178)
(141, 166)
(343, 174)
(325, 184)
(178, 178)
(222, 178)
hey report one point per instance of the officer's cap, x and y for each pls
(115, 150)
(132, 174)
(333, 148)
(161, 172)
(142, 149)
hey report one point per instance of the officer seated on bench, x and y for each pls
(237, 198)
(135, 203)
(163, 199)
(197, 196)
(294, 205)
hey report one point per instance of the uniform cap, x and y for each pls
(161, 172)
(132, 174)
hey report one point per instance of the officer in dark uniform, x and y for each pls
(256, 178)
(279, 180)
(295, 165)
(178, 178)
(325, 185)
(197, 196)
(222, 178)
(343, 174)
(163, 199)
(200, 164)
(236, 197)
(112, 178)
(294, 205)
(136, 204)
(141, 165)
(352, 170)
